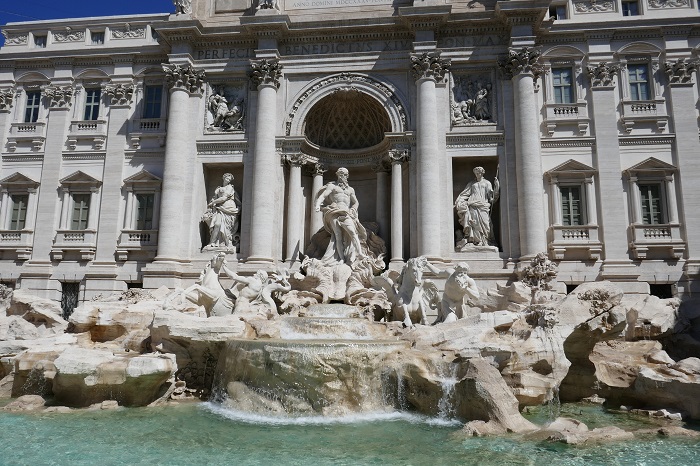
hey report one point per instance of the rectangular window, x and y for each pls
(652, 212)
(92, 104)
(639, 82)
(40, 42)
(630, 8)
(97, 38)
(144, 213)
(31, 112)
(153, 98)
(81, 211)
(571, 205)
(563, 90)
(70, 292)
(557, 12)
(19, 211)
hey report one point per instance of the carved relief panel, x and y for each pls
(226, 107)
(472, 97)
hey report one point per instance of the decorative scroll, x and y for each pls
(680, 71)
(119, 94)
(594, 6)
(59, 96)
(128, 33)
(15, 39)
(184, 77)
(266, 72)
(399, 156)
(295, 159)
(69, 36)
(668, 3)
(525, 60)
(183, 7)
(602, 74)
(429, 65)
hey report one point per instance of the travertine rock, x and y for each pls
(124, 323)
(26, 403)
(16, 328)
(44, 314)
(87, 376)
(652, 318)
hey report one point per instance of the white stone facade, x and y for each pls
(115, 132)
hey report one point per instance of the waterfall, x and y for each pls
(448, 381)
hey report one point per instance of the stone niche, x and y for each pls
(462, 173)
(213, 178)
(231, 6)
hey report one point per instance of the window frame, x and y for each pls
(571, 85)
(91, 104)
(636, 84)
(15, 220)
(566, 184)
(94, 34)
(40, 41)
(35, 106)
(152, 105)
(630, 2)
(80, 223)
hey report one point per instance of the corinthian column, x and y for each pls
(317, 171)
(427, 69)
(295, 210)
(183, 82)
(381, 168)
(521, 66)
(397, 158)
(265, 77)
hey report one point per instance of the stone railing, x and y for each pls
(147, 128)
(581, 240)
(641, 111)
(31, 133)
(94, 132)
(663, 240)
(136, 240)
(560, 115)
(20, 241)
(81, 241)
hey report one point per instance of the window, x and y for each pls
(639, 81)
(70, 292)
(571, 213)
(98, 38)
(144, 213)
(652, 212)
(152, 101)
(562, 82)
(31, 112)
(81, 211)
(92, 104)
(630, 8)
(19, 211)
(557, 11)
(40, 42)
(661, 290)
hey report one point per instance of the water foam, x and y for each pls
(358, 418)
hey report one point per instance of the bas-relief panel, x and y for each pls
(226, 107)
(473, 99)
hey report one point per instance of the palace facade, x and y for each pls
(115, 133)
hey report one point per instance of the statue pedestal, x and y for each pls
(464, 246)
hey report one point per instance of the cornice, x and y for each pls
(567, 142)
(222, 148)
(456, 141)
(646, 140)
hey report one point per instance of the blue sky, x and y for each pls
(31, 10)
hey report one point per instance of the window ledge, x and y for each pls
(82, 241)
(567, 114)
(95, 130)
(19, 241)
(147, 128)
(663, 237)
(136, 240)
(579, 238)
(637, 111)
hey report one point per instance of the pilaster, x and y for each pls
(295, 209)
(397, 158)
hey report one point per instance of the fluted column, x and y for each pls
(381, 168)
(184, 81)
(397, 159)
(265, 77)
(521, 67)
(295, 210)
(428, 68)
(317, 172)
(7, 98)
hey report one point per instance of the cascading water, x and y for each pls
(448, 381)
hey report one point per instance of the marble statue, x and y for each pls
(183, 7)
(471, 102)
(411, 296)
(458, 286)
(267, 5)
(224, 115)
(339, 205)
(255, 293)
(206, 291)
(473, 207)
(222, 216)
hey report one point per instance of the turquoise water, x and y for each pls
(206, 434)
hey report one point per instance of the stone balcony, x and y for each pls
(33, 133)
(664, 239)
(83, 242)
(578, 239)
(19, 241)
(644, 111)
(558, 115)
(136, 240)
(93, 131)
(144, 128)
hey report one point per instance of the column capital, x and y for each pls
(120, 94)
(266, 73)
(295, 159)
(59, 96)
(429, 65)
(680, 71)
(317, 169)
(186, 78)
(7, 96)
(397, 156)
(524, 60)
(602, 74)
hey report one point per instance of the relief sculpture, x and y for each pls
(471, 100)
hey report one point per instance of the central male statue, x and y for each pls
(348, 242)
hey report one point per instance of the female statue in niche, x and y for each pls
(222, 216)
(473, 206)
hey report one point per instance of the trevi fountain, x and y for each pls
(338, 361)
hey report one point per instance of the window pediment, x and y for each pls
(651, 166)
(80, 179)
(18, 180)
(143, 180)
(571, 169)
